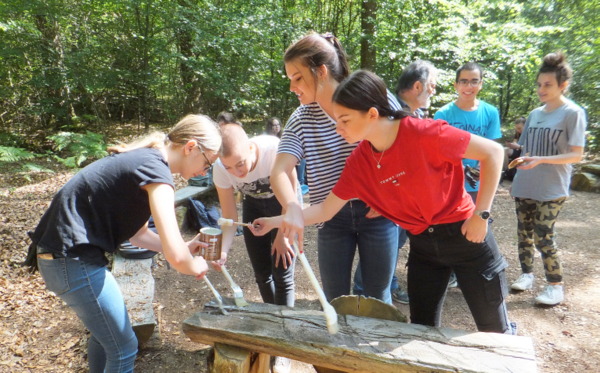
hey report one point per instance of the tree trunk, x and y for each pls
(368, 55)
(189, 80)
(57, 90)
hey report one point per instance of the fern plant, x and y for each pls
(12, 154)
(78, 147)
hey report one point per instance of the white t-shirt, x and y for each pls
(256, 184)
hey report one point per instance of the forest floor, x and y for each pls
(38, 333)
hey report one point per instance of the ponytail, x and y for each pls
(314, 50)
(192, 127)
(363, 90)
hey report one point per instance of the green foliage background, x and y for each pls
(81, 65)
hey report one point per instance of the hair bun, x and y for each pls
(328, 36)
(554, 59)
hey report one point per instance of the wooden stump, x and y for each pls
(135, 279)
(231, 359)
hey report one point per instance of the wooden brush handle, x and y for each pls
(243, 224)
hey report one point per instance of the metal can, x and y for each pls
(213, 237)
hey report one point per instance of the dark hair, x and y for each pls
(315, 50)
(557, 63)
(520, 120)
(363, 90)
(417, 71)
(269, 126)
(470, 66)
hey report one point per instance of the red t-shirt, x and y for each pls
(421, 179)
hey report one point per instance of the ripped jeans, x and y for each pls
(479, 268)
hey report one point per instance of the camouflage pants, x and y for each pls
(535, 229)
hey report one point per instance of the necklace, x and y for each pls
(380, 158)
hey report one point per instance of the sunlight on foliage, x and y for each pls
(11, 154)
(78, 148)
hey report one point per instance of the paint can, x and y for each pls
(213, 237)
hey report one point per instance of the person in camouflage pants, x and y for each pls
(552, 140)
(535, 228)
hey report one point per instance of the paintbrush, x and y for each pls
(330, 314)
(217, 295)
(238, 295)
(230, 223)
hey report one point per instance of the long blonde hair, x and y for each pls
(192, 127)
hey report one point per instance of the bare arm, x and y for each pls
(490, 155)
(283, 181)
(228, 211)
(174, 248)
(314, 214)
(574, 155)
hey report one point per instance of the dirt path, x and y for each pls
(39, 334)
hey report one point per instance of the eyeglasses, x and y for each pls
(209, 167)
(472, 83)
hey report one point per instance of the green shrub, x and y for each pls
(77, 149)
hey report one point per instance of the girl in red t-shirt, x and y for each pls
(410, 171)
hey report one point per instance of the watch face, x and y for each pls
(484, 215)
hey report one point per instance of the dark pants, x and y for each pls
(276, 284)
(479, 269)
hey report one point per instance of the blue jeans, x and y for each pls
(377, 241)
(276, 284)
(358, 286)
(479, 269)
(93, 293)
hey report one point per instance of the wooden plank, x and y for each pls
(135, 279)
(362, 344)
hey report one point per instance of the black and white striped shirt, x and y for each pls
(310, 134)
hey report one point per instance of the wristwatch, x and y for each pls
(485, 214)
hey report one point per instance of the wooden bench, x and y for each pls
(190, 191)
(361, 345)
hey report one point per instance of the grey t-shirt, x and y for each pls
(548, 134)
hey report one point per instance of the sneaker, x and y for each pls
(400, 296)
(551, 296)
(452, 283)
(281, 365)
(524, 282)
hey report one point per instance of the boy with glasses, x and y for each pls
(473, 115)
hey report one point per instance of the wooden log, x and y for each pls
(362, 344)
(232, 359)
(135, 279)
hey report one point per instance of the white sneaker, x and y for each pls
(281, 365)
(551, 296)
(524, 282)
